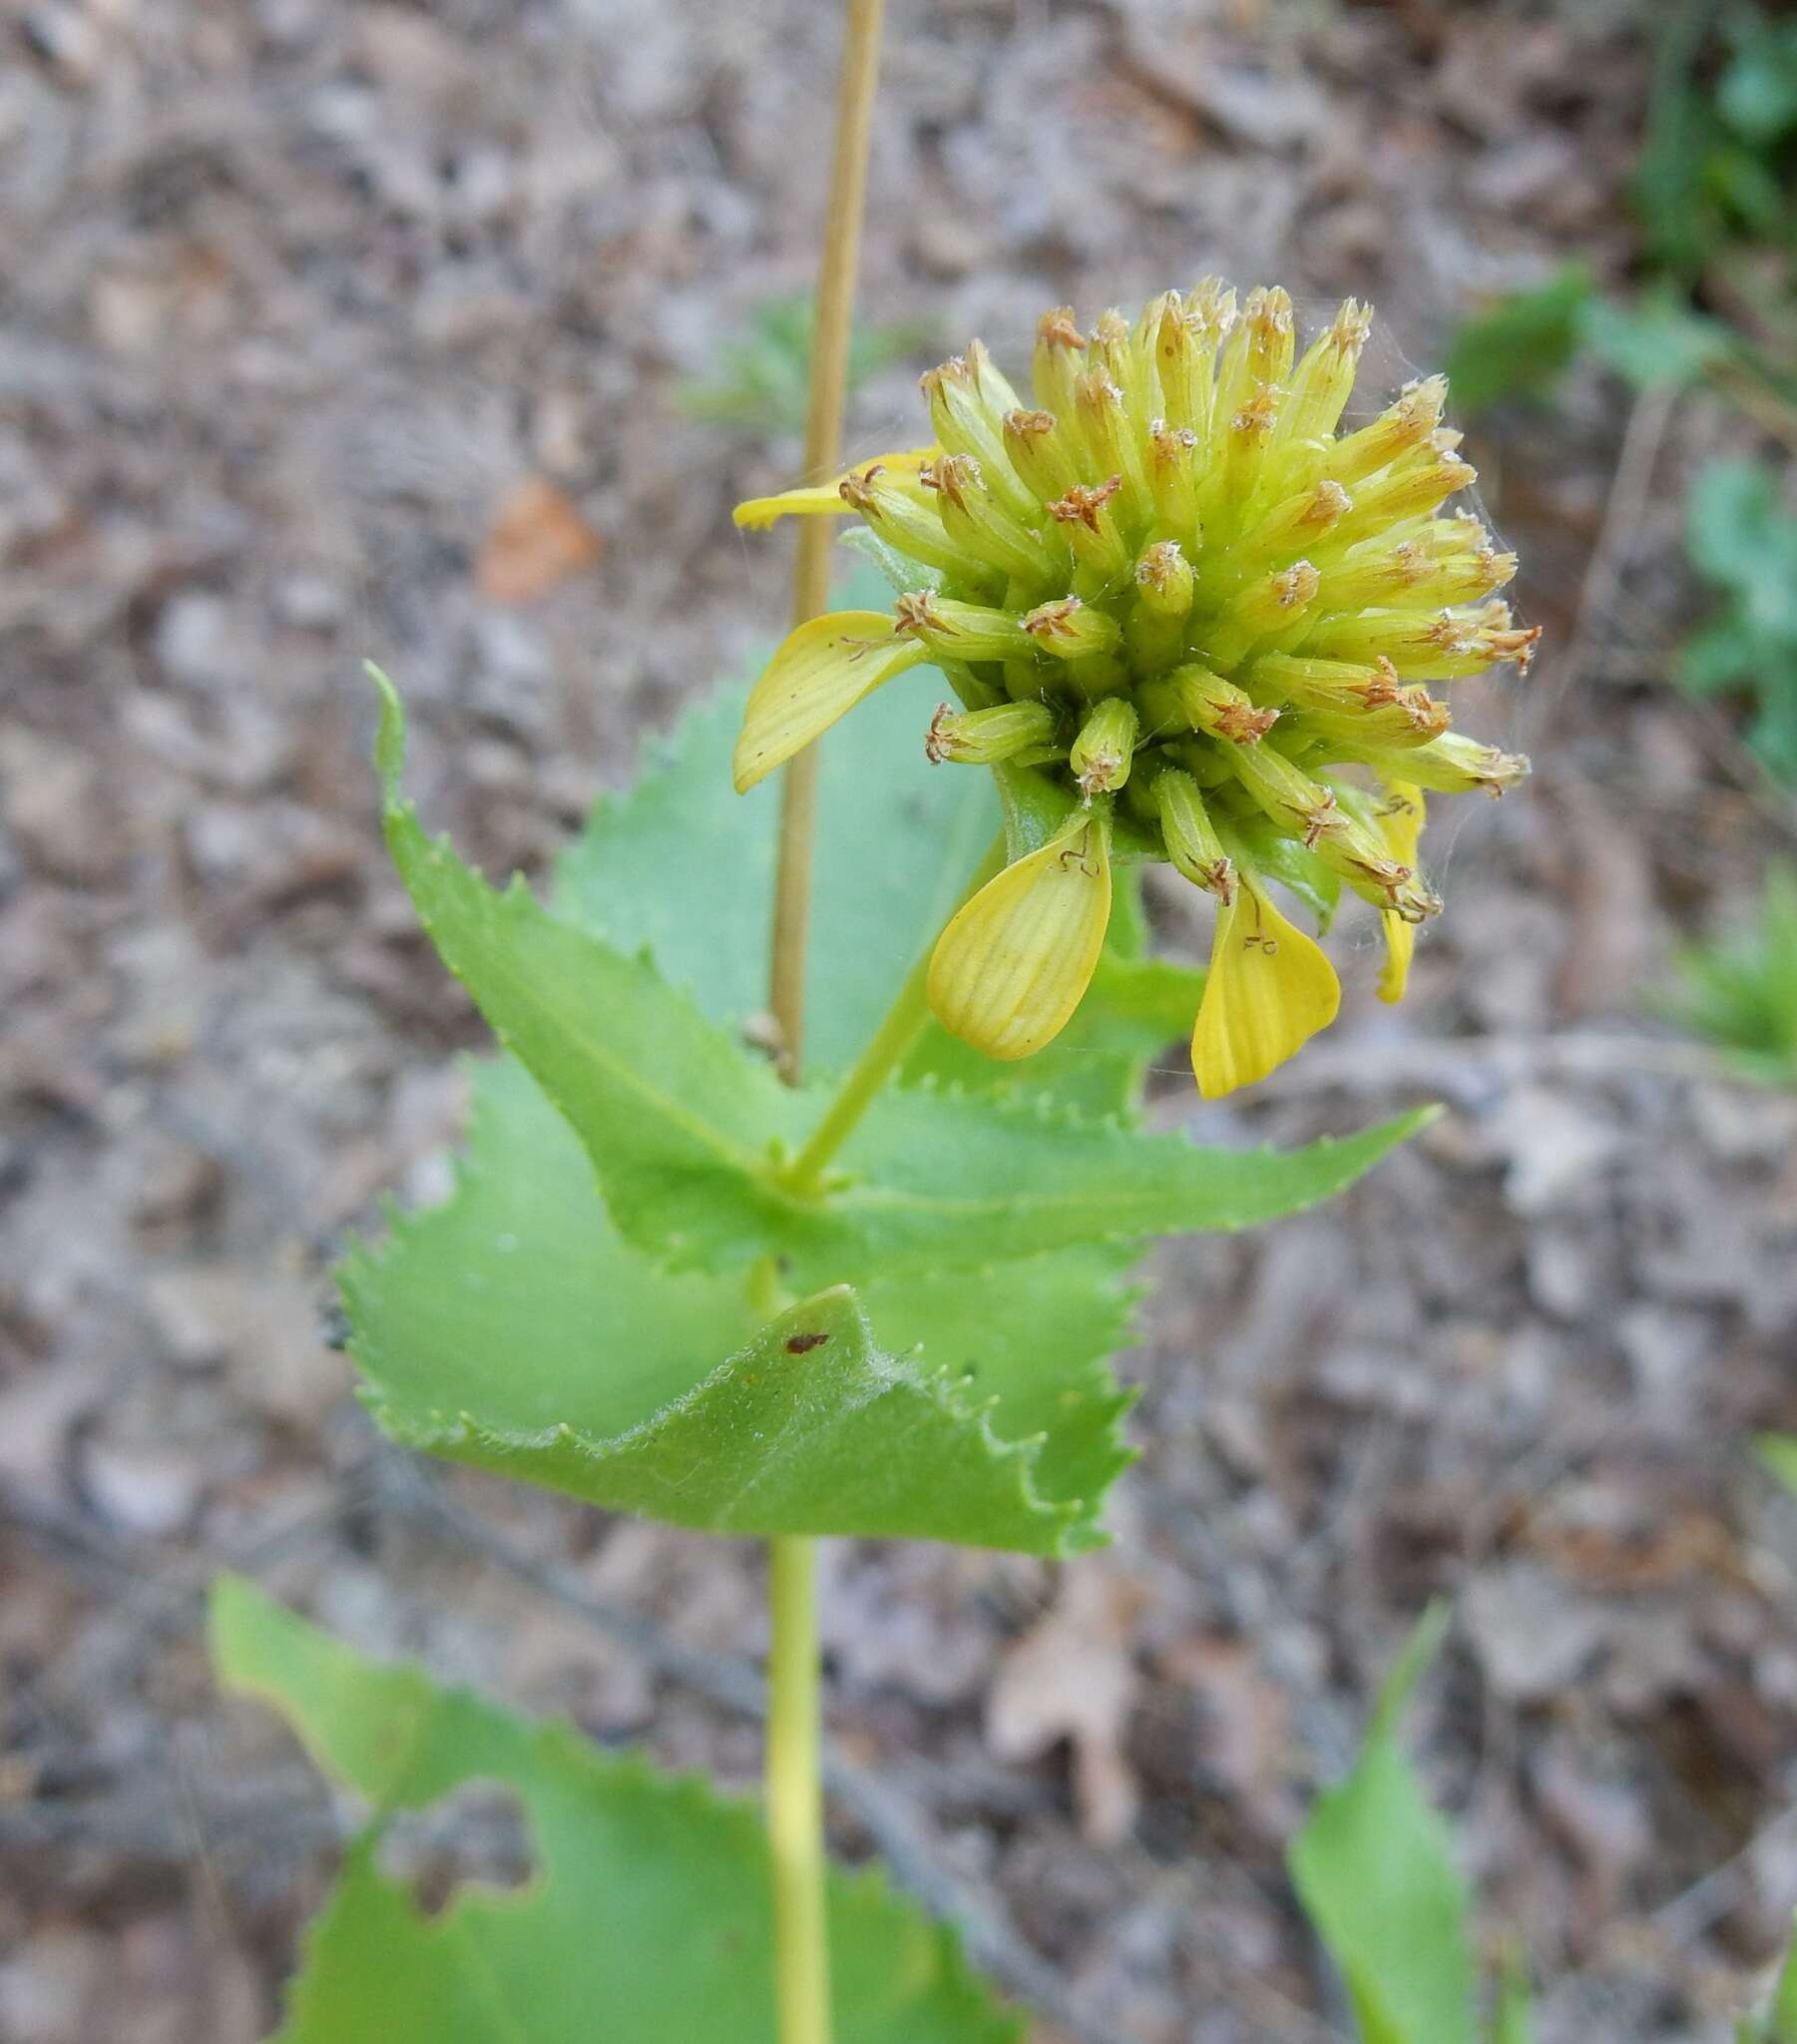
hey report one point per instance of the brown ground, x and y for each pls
(299, 292)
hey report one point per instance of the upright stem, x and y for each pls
(794, 1787)
(795, 1798)
(816, 536)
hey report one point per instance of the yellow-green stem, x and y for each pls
(886, 1050)
(794, 1784)
(816, 536)
(795, 1796)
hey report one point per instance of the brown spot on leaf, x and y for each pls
(798, 1345)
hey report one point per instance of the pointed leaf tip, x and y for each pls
(389, 740)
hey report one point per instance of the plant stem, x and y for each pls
(794, 1786)
(886, 1051)
(816, 536)
(795, 1796)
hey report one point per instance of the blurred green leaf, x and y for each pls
(1778, 1451)
(1520, 344)
(1741, 539)
(648, 1916)
(1777, 2024)
(1717, 656)
(1514, 2022)
(1375, 1870)
(1656, 342)
(1733, 527)
(1682, 128)
(1757, 92)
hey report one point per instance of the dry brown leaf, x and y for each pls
(1073, 1676)
(537, 539)
(1246, 1733)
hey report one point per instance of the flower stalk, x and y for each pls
(793, 1761)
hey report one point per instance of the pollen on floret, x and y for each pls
(1082, 504)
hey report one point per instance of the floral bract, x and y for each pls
(1172, 587)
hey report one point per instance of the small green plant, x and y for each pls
(1719, 233)
(1374, 1869)
(760, 384)
(1740, 991)
(1722, 117)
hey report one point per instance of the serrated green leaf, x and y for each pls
(512, 1330)
(678, 1117)
(920, 1186)
(650, 1911)
(1375, 1870)
(685, 1129)
(991, 1232)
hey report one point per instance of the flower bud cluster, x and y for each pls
(1171, 584)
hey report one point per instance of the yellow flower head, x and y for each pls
(1189, 617)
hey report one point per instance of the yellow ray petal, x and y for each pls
(1401, 826)
(823, 669)
(824, 500)
(1012, 966)
(1270, 989)
(1400, 942)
